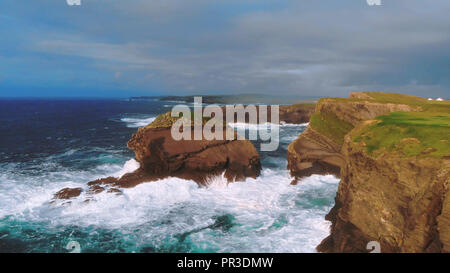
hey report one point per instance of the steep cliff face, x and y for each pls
(160, 156)
(393, 152)
(354, 112)
(294, 114)
(317, 150)
(297, 113)
(389, 198)
(313, 153)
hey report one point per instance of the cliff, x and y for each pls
(317, 150)
(293, 114)
(160, 156)
(297, 113)
(390, 198)
(393, 153)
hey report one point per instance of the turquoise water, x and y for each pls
(59, 149)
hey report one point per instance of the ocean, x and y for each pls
(47, 145)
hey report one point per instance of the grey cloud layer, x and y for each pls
(309, 48)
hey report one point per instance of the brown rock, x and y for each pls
(162, 156)
(313, 153)
(114, 190)
(400, 202)
(68, 193)
(293, 114)
(96, 189)
(296, 114)
(354, 112)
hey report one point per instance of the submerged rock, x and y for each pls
(68, 193)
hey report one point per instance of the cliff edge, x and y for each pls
(393, 156)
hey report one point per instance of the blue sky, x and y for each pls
(118, 48)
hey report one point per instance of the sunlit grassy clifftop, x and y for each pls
(330, 126)
(422, 133)
(410, 133)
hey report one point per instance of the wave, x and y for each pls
(137, 122)
(129, 167)
(268, 214)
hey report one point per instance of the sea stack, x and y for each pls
(160, 156)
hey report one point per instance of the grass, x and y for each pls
(420, 134)
(423, 103)
(330, 126)
(423, 133)
(300, 105)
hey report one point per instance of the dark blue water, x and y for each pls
(47, 145)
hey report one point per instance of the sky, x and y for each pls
(301, 48)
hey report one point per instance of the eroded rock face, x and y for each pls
(401, 202)
(354, 112)
(293, 114)
(160, 156)
(296, 114)
(314, 153)
(68, 193)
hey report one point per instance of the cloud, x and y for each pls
(304, 48)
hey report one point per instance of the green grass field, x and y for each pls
(423, 133)
(419, 134)
(330, 126)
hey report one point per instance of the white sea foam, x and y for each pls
(129, 167)
(137, 122)
(270, 215)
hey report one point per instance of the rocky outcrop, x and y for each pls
(356, 111)
(395, 178)
(443, 223)
(400, 202)
(296, 114)
(293, 114)
(160, 156)
(315, 151)
(68, 193)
